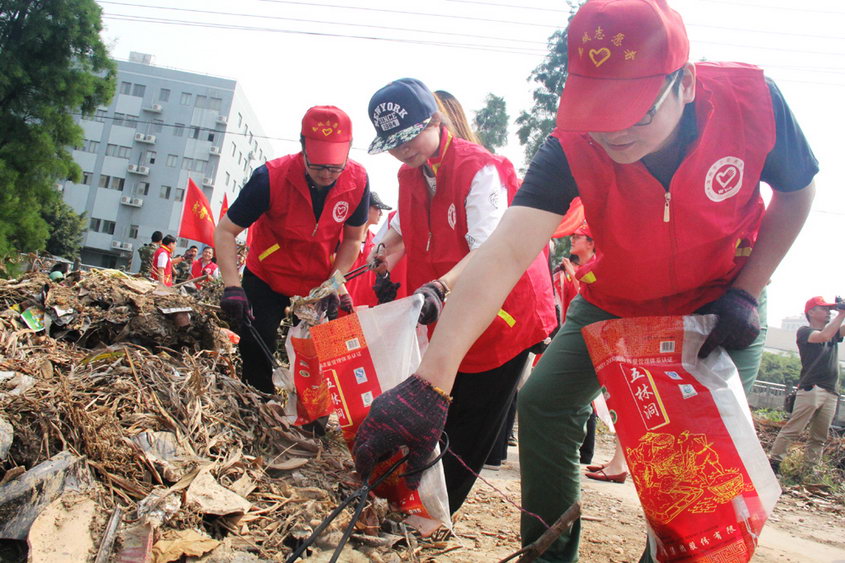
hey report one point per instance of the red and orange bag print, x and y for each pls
(360, 356)
(311, 391)
(704, 482)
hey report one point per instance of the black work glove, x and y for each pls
(738, 325)
(330, 304)
(411, 414)
(345, 303)
(235, 304)
(385, 289)
(433, 292)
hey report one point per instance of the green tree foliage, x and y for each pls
(535, 125)
(52, 65)
(778, 368)
(491, 123)
(66, 229)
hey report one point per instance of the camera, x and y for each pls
(840, 303)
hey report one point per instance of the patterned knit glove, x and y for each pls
(330, 304)
(235, 304)
(433, 292)
(385, 289)
(411, 414)
(738, 325)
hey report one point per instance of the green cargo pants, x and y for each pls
(553, 409)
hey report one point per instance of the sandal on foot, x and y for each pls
(600, 475)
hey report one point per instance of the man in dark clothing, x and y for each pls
(816, 398)
(145, 253)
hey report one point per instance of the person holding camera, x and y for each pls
(817, 395)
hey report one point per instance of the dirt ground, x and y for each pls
(801, 529)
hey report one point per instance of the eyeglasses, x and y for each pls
(649, 115)
(321, 167)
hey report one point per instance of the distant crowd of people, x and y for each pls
(158, 262)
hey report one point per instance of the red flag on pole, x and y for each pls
(223, 209)
(197, 221)
(572, 220)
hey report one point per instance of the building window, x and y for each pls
(179, 130)
(131, 121)
(125, 87)
(90, 146)
(86, 178)
(157, 126)
(164, 95)
(186, 99)
(180, 194)
(104, 181)
(142, 188)
(199, 165)
(139, 90)
(100, 115)
(187, 163)
(94, 225)
(201, 102)
(250, 139)
(116, 183)
(123, 152)
(183, 243)
(215, 104)
(240, 119)
(133, 231)
(228, 178)
(211, 137)
(108, 227)
(164, 193)
(234, 148)
(111, 149)
(195, 132)
(172, 159)
(150, 157)
(118, 118)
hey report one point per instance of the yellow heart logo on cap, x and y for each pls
(599, 56)
(327, 132)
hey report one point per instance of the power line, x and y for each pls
(770, 7)
(302, 20)
(164, 21)
(492, 4)
(407, 13)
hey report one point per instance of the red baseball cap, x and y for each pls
(817, 301)
(620, 52)
(327, 134)
(583, 229)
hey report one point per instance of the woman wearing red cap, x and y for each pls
(302, 208)
(667, 158)
(452, 194)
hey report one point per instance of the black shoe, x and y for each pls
(775, 466)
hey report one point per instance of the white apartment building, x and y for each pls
(162, 127)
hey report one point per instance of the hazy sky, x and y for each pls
(291, 55)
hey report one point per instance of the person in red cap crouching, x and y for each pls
(452, 193)
(371, 289)
(667, 157)
(817, 394)
(302, 207)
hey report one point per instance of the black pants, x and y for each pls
(589, 445)
(479, 406)
(499, 453)
(269, 309)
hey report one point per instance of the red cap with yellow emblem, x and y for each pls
(620, 52)
(327, 135)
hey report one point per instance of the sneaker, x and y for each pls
(512, 440)
(492, 467)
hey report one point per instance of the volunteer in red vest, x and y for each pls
(667, 157)
(363, 288)
(301, 209)
(205, 266)
(452, 194)
(567, 279)
(162, 261)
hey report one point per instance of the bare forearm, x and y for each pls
(226, 249)
(484, 282)
(781, 224)
(347, 254)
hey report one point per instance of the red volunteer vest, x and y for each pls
(292, 252)
(669, 253)
(197, 270)
(434, 232)
(164, 275)
(361, 288)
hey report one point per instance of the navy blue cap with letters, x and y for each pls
(399, 112)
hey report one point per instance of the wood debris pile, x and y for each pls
(188, 459)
